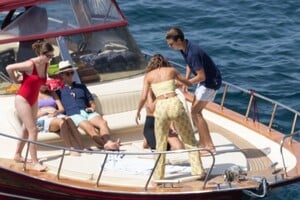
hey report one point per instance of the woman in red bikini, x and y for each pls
(34, 74)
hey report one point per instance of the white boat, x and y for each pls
(252, 157)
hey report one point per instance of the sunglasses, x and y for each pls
(49, 56)
(69, 73)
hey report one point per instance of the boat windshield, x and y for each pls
(92, 34)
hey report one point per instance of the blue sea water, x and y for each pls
(256, 44)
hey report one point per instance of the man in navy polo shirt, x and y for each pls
(79, 105)
(205, 74)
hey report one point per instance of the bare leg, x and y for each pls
(145, 144)
(101, 124)
(27, 115)
(174, 141)
(62, 125)
(89, 128)
(20, 145)
(75, 133)
(204, 135)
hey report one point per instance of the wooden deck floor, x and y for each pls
(257, 159)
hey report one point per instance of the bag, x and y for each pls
(40, 125)
(54, 84)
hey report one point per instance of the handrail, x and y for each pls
(123, 153)
(281, 147)
(4, 77)
(252, 94)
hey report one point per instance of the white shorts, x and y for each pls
(44, 122)
(203, 93)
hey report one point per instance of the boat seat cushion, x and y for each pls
(115, 103)
(119, 110)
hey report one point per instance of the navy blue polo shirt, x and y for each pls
(75, 98)
(197, 59)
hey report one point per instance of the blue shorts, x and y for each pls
(203, 93)
(83, 116)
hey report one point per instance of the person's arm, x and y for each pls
(199, 77)
(92, 107)
(143, 99)
(187, 72)
(181, 78)
(41, 113)
(13, 69)
(187, 76)
(60, 108)
(150, 103)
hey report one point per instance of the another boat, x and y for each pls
(252, 157)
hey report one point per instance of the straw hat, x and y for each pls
(64, 66)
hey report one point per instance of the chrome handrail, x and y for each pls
(253, 95)
(5, 77)
(281, 148)
(64, 149)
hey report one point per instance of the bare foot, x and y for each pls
(20, 159)
(155, 184)
(112, 146)
(145, 144)
(74, 153)
(88, 151)
(39, 167)
(202, 176)
(211, 149)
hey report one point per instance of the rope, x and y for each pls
(263, 187)
(255, 108)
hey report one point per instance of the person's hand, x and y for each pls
(53, 114)
(184, 88)
(178, 84)
(137, 118)
(89, 110)
(19, 78)
(189, 96)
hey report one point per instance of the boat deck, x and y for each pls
(133, 170)
(137, 168)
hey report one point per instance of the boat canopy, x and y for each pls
(31, 20)
(92, 34)
(7, 5)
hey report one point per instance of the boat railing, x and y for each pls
(253, 97)
(4, 77)
(282, 142)
(121, 153)
(252, 100)
(276, 106)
